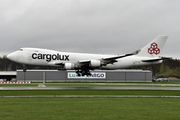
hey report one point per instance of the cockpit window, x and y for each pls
(20, 49)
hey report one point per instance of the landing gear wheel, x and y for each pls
(83, 73)
(79, 74)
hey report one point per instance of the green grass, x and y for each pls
(89, 109)
(88, 92)
(171, 82)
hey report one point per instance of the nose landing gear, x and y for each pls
(24, 68)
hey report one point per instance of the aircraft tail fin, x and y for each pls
(154, 48)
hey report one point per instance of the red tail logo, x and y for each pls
(154, 49)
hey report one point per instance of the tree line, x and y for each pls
(168, 68)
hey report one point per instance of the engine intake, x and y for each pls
(95, 63)
(69, 66)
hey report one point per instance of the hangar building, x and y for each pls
(97, 76)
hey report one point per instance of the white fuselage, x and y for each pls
(44, 57)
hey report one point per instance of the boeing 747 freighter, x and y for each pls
(83, 63)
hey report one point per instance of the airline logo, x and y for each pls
(154, 49)
(50, 57)
(95, 75)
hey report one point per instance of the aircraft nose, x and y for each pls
(13, 56)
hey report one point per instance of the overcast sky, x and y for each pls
(89, 26)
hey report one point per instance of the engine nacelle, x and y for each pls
(95, 63)
(69, 66)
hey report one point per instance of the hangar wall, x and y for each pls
(97, 76)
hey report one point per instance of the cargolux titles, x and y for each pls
(50, 57)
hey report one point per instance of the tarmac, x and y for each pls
(43, 87)
(89, 88)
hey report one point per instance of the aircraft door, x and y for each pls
(29, 57)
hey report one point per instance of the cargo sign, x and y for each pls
(94, 75)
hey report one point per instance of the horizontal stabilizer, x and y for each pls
(154, 60)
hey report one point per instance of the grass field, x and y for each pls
(89, 108)
(86, 108)
(89, 92)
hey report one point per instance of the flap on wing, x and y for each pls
(121, 56)
(117, 57)
(58, 63)
(107, 60)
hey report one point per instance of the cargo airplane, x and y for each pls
(82, 63)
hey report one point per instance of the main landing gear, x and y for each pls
(83, 72)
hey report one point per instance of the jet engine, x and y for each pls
(69, 66)
(95, 63)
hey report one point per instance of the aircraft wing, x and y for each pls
(117, 57)
(104, 61)
(107, 60)
(121, 56)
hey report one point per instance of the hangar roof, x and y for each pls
(8, 73)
